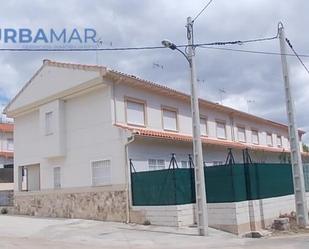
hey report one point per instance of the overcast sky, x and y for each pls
(243, 76)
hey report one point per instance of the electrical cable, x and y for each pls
(252, 51)
(295, 53)
(206, 6)
(219, 43)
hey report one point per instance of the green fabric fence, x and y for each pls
(223, 184)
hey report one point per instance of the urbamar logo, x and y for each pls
(42, 36)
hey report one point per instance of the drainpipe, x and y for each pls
(130, 139)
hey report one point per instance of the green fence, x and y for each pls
(223, 184)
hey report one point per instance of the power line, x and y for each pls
(218, 43)
(252, 51)
(240, 42)
(202, 10)
(298, 57)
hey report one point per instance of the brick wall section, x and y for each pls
(96, 204)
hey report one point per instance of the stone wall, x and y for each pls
(92, 203)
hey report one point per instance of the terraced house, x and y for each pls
(76, 126)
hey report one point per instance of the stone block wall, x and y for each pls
(173, 215)
(233, 217)
(93, 203)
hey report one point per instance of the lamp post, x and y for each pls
(201, 205)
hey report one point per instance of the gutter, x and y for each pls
(130, 139)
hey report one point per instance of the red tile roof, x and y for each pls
(7, 154)
(4, 127)
(206, 140)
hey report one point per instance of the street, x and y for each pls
(29, 232)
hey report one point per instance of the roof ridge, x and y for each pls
(150, 83)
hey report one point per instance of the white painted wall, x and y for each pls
(88, 135)
(154, 102)
(143, 149)
(50, 81)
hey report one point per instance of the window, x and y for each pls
(156, 164)
(221, 131)
(269, 139)
(101, 173)
(255, 137)
(135, 113)
(203, 125)
(184, 164)
(279, 141)
(169, 119)
(49, 123)
(241, 134)
(57, 177)
(10, 144)
(215, 163)
(24, 178)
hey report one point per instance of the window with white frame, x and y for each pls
(57, 177)
(241, 134)
(10, 144)
(156, 164)
(279, 141)
(221, 130)
(184, 164)
(169, 119)
(48, 123)
(269, 139)
(101, 172)
(135, 112)
(255, 137)
(203, 125)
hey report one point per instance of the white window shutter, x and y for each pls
(169, 120)
(135, 113)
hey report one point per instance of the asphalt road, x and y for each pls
(33, 233)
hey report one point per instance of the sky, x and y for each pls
(251, 82)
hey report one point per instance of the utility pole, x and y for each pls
(297, 167)
(201, 205)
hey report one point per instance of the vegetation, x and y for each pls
(305, 148)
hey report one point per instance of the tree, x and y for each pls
(305, 148)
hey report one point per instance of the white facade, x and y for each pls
(6, 145)
(73, 124)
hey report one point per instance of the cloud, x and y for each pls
(136, 23)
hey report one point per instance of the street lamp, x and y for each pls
(201, 205)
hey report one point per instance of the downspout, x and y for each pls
(128, 177)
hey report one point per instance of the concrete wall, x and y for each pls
(236, 217)
(174, 215)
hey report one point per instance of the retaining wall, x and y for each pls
(100, 203)
(234, 217)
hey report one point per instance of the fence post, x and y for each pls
(131, 179)
(191, 164)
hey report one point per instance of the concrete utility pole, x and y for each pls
(297, 166)
(200, 190)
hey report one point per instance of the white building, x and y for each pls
(76, 126)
